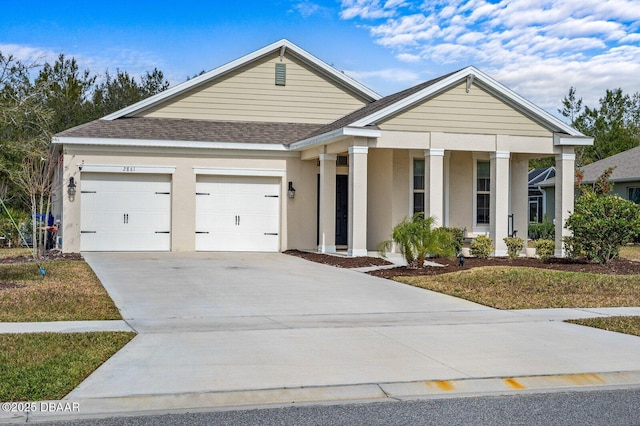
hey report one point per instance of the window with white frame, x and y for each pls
(483, 194)
(418, 185)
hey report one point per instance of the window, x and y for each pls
(418, 186)
(535, 209)
(483, 188)
(634, 195)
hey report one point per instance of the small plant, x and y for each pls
(545, 249)
(457, 237)
(514, 246)
(542, 231)
(417, 239)
(481, 247)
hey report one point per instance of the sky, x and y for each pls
(538, 48)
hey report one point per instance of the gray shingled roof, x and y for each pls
(627, 166)
(376, 106)
(192, 130)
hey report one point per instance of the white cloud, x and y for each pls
(28, 54)
(368, 9)
(399, 78)
(538, 47)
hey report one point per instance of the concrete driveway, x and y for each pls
(245, 324)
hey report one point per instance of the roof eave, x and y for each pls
(155, 143)
(335, 136)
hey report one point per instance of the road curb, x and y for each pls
(269, 398)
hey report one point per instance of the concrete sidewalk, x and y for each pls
(221, 330)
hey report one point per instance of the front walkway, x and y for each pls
(219, 329)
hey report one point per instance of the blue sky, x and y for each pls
(539, 48)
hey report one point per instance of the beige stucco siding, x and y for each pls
(456, 111)
(297, 216)
(250, 94)
(379, 193)
(461, 190)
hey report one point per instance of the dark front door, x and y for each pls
(342, 209)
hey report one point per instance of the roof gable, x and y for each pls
(281, 47)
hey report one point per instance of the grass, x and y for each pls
(69, 291)
(46, 366)
(532, 288)
(630, 252)
(627, 325)
(15, 252)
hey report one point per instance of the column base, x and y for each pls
(326, 249)
(500, 253)
(357, 252)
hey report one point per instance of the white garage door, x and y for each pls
(125, 212)
(236, 213)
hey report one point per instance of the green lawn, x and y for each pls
(68, 291)
(627, 325)
(45, 366)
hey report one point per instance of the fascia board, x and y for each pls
(168, 144)
(201, 79)
(334, 136)
(560, 140)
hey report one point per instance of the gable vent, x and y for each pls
(281, 74)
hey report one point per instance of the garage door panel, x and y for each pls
(125, 212)
(237, 213)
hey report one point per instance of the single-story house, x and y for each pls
(625, 176)
(278, 150)
(539, 208)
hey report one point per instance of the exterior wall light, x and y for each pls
(71, 188)
(291, 191)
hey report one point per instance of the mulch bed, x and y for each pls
(50, 255)
(339, 261)
(616, 267)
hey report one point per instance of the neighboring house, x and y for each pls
(625, 176)
(539, 208)
(212, 164)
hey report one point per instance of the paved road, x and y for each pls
(610, 407)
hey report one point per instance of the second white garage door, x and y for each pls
(237, 213)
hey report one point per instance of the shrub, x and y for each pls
(601, 224)
(514, 246)
(457, 237)
(481, 247)
(542, 231)
(417, 239)
(545, 248)
(572, 248)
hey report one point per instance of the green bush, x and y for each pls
(542, 231)
(457, 237)
(602, 223)
(545, 248)
(416, 239)
(7, 228)
(481, 246)
(572, 248)
(514, 246)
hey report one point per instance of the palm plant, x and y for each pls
(417, 239)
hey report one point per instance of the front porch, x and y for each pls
(482, 192)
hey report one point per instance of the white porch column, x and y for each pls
(499, 212)
(327, 225)
(520, 197)
(565, 171)
(434, 185)
(357, 234)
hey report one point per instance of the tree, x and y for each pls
(117, 92)
(25, 137)
(614, 124)
(66, 91)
